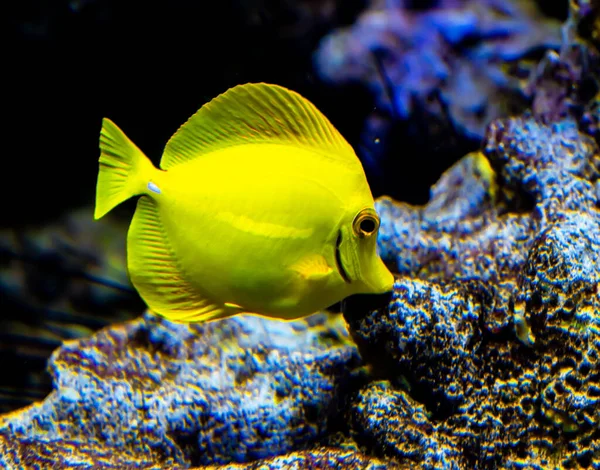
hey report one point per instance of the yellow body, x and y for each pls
(257, 209)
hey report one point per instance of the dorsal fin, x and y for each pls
(256, 113)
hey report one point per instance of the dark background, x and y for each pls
(149, 66)
(146, 65)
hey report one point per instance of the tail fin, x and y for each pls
(124, 169)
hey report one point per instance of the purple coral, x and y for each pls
(452, 56)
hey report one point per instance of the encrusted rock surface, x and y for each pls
(153, 394)
(321, 458)
(494, 323)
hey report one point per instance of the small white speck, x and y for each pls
(70, 395)
(152, 187)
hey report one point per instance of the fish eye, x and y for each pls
(365, 223)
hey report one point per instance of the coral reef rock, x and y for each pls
(494, 324)
(491, 342)
(323, 458)
(154, 394)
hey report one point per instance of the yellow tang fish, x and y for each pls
(259, 206)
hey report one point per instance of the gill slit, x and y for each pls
(338, 259)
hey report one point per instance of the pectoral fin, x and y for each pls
(312, 267)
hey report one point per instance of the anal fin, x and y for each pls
(157, 275)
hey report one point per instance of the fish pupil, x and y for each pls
(367, 225)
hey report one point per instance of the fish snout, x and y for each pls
(379, 279)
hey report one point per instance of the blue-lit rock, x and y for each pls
(151, 392)
(395, 424)
(428, 332)
(320, 458)
(494, 323)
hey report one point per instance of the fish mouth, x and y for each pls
(338, 259)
